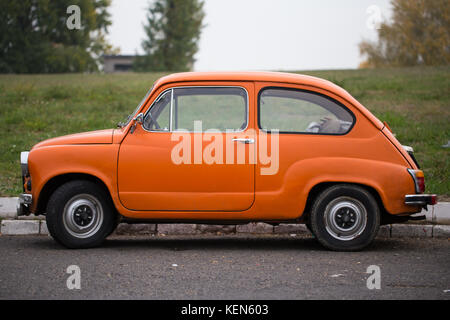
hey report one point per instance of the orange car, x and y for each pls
(229, 148)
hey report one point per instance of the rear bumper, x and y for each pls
(420, 199)
(24, 204)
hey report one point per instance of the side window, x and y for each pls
(158, 117)
(219, 108)
(289, 110)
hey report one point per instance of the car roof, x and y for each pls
(266, 76)
(235, 75)
(241, 76)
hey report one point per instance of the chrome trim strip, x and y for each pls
(408, 148)
(187, 87)
(413, 175)
(171, 112)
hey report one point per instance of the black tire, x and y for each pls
(80, 214)
(308, 226)
(345, 218)
(114, 226)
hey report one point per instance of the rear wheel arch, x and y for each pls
(316, 190)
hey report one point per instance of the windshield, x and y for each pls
(131, 116)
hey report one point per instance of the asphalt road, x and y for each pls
(225, 267)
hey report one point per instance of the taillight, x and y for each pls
(419, 180)
(433, 199)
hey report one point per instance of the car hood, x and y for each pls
(91, 137)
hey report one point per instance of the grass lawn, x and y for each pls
(414, 101)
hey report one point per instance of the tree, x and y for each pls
(173, 30)
(34, 36)
(419, 34)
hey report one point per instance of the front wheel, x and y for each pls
(80, 214)
(345, 218)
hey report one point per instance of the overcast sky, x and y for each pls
(266, 34)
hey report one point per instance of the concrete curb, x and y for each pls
(438, 214)
(34, 227)
(8, 207)
(438, 218)
(20, 227)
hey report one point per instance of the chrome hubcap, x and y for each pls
(345, 218)
(83, 216)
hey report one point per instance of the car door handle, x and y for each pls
(246, 141)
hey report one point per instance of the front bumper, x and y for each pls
(420, 199)
(24, 204)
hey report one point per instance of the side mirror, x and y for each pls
(138, 119)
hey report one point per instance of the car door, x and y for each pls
(193, 151)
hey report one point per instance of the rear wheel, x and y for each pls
(345, 218)
(80, 214)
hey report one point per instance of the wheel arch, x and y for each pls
(55, 182)
(318, 188)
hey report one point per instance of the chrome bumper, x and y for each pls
(420, 199)
(24, 204)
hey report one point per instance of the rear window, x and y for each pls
(299, 111)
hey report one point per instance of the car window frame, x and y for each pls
(171, 113)
(340, 104)
(154, 105)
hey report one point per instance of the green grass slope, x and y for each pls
(414, 101)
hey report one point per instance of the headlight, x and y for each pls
(24, 162)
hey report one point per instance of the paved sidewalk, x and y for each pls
(8, 207)
(438, 214)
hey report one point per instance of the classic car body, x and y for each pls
(145, 176)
